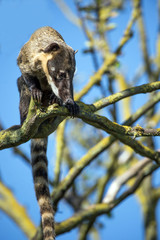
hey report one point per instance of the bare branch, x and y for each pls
(14, 210)
(67, 12)
(145, 88)
(95, 210)
(59, 152)
(121, 180)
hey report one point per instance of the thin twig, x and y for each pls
(122, 179)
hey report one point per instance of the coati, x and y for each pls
(47, 65)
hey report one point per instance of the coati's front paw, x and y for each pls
(36, 94)
(54, 99)
(72, 107)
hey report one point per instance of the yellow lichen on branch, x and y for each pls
(14, 210)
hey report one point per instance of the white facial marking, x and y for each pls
(54, 88)
(44, 59)
(52, 69)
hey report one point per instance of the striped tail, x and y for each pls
(40, 176)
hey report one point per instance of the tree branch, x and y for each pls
(145, 88)
(122, 179)
(14, 210)
(101, 208)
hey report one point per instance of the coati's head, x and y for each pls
(58, 64)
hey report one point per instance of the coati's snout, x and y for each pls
(60, 81)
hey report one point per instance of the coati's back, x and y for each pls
(47, 65)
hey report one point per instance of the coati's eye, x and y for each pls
(52, 47)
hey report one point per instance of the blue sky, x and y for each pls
(18, 20)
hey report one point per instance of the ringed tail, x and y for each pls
(40, 177)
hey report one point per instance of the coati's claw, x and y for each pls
(54, 99)
(75, 109)
(72, 107)
(36, 94)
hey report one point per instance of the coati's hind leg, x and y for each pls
(40, 176)
(25, 97)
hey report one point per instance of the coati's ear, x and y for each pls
(52, 47)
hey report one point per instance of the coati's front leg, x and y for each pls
(25, 97)
(28, 86)
(34, 87)
(72, 107)
(54, 99)
(37, 95)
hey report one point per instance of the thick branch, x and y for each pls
(40, 123)
(118, 131)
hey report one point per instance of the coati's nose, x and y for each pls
(69, 102)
